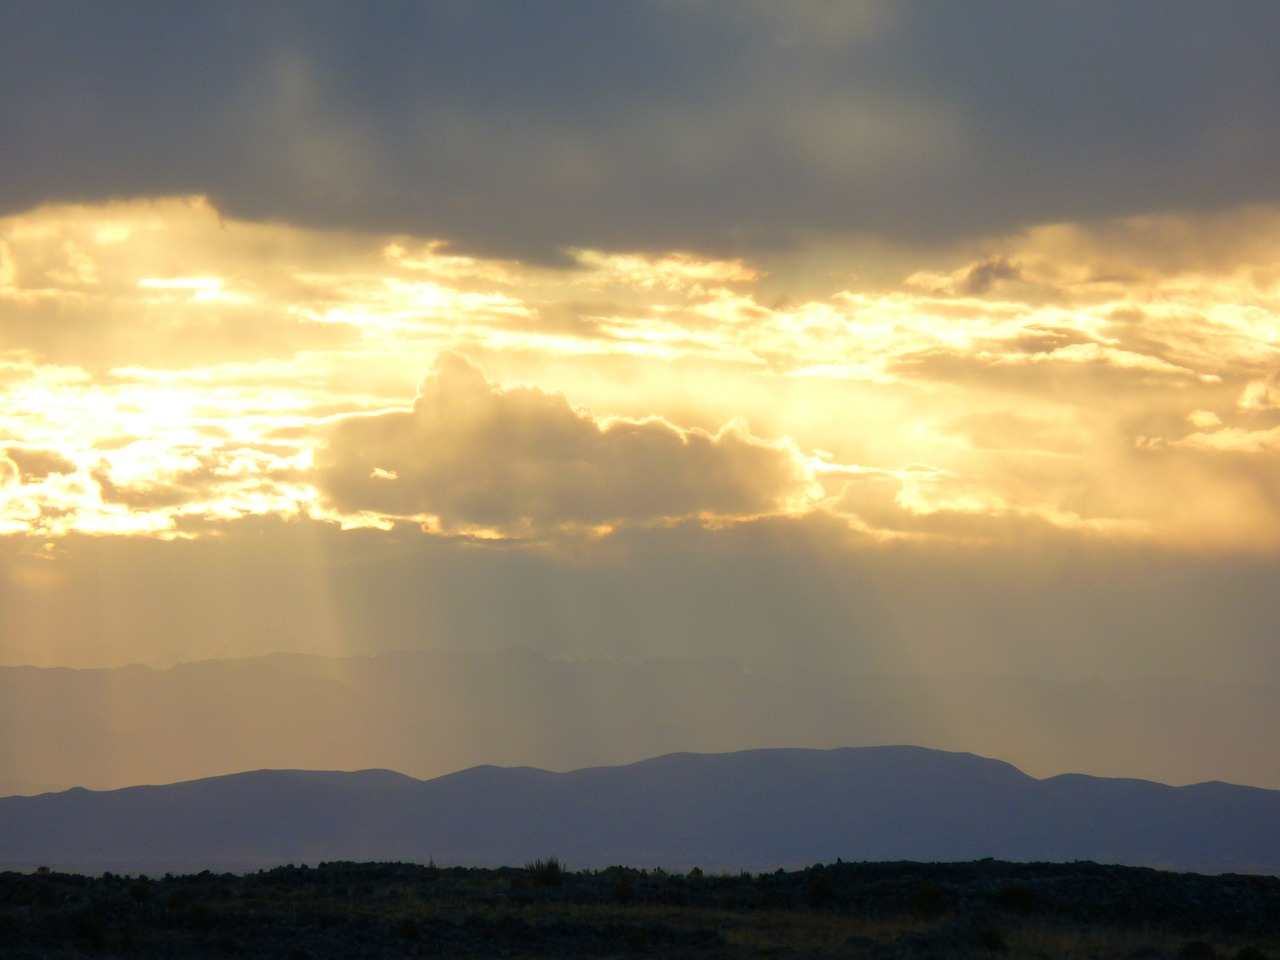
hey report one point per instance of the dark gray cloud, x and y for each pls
(985, 275)
(524, 128)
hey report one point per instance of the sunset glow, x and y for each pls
(1021, 387)
(861, 340)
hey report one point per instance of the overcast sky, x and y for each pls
(890, 335)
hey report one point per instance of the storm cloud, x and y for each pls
(523, 130)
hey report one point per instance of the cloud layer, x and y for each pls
(732, 127)
(166, 366)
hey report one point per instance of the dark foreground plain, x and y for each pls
(877, 911)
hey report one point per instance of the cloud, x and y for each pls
(39, 463)
(981, 277)
(674, 271)
(1011, 430)
(475, 456)
(1166, 252)
(927, 504)
(1261, 395)
(164, 282)
(647, 125)
(1232, 440)
(1070, 369)
(1040, 400)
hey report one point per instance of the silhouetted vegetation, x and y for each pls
(547, 873)
(877, 911)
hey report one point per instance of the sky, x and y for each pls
(903, 337)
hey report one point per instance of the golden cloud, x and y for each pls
(471, 456)
(38, 463)
(164, 364)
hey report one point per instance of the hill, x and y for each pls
(432, 712)
(747, 810)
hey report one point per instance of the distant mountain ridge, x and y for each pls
(756, 809)
(431, 712)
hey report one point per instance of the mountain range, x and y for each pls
(755, 810)
(432, 712)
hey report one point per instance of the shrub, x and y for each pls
(1197, 950)
(989, 938)
(547, 873)
(930, 900)
(821, 891)
(1015, 898)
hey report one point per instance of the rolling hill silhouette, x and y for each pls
(757, 809)
(432, 712)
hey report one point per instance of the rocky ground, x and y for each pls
(877, 911)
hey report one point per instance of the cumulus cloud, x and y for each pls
(477, 456)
